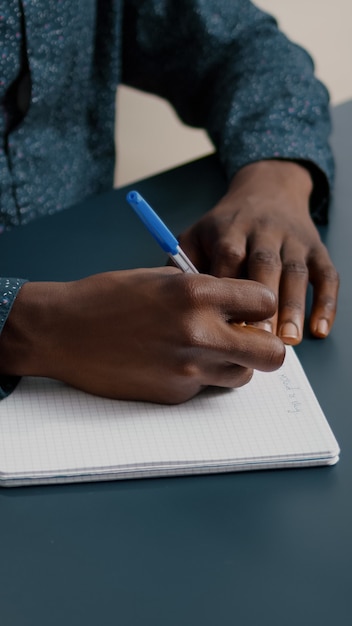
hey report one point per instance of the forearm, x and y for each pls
(229, 69)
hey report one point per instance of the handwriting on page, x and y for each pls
(292, 392)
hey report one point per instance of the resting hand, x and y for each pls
(262, 230)
(153, 334)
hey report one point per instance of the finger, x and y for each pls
(237, 300)
(192, 246)
(264, 265)
(292, 296)
(229, 376)
(252, 348)
(229, 255)
(325, 281)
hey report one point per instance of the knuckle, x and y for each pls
(265, 257)
(190, 290)
(328, 303)
(329, 274)
(196, 293)
(188, 369)
(226, 252)
(243, 375)
(293, 304)
(296, 267)
(194, 338)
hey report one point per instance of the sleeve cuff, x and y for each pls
(9, 288)
(321, 194)
(7, 385)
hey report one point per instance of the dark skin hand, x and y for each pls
(262, 230)
(161, 335)
(149, 334)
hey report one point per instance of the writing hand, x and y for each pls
(262, 230)
(150, 334)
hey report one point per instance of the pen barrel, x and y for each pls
(183, 262)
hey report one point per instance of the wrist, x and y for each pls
(279, 172)
(27, 341)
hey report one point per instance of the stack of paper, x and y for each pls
(50, 432)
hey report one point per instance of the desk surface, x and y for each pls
(268, 548)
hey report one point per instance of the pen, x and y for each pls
(160, 232)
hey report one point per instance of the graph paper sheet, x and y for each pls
(52, 433)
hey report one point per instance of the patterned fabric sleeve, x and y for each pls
(227, 67)
(9, 288)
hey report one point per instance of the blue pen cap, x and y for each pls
(153, 223)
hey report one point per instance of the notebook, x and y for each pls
(51, 433)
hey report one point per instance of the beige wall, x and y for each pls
(150, 138)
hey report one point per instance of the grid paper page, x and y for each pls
(49, 430)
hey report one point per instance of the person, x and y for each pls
(224, 66)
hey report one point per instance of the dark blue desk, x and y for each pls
(265, 548)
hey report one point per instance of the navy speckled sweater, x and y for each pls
(223, 65)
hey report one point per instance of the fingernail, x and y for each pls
(322, 328)
(267, 326)
(289, 330)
